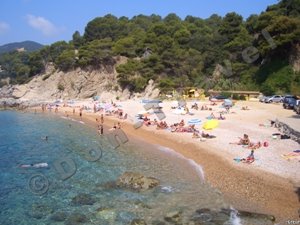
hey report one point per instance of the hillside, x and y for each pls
(259, 53)
(29, 46)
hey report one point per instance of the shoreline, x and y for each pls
(242, 188)
(250, 190)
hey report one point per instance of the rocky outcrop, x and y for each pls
(138, 222)
(228, 216)
(287, 130)
(136, 181)
(295, 57)
(83, 199)
(76, 84)
(76, 219)
(6, 91)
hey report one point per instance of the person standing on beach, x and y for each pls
(73, 111)
(100, 129)
(102, 119)
(80, 113)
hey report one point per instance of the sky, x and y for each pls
(48, 21)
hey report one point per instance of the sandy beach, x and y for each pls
(268, 185)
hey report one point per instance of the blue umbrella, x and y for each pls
(194, 122)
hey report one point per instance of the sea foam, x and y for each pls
(196, 166)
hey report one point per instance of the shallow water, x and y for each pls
(35, 195)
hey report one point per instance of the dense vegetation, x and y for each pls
(253, 53)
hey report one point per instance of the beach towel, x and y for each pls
(291, 155)
(248, 160)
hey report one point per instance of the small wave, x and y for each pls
(234, 219)
(167, 189)
(68, 118)
(195, 165)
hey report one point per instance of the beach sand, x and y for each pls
(266, 186)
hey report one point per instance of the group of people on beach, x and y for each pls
(245, 142)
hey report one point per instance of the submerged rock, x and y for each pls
(59, 216)
(259, 216)
(83, 199)
(174, 217)
(157, 222)
(209, 216)
(108, 214)
(141, 204)
(138, 222)
(225, 216)
(136, 181)
(39, 211)
(75, 219)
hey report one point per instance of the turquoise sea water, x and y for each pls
(38, 195)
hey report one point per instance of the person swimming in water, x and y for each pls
(37, 165)
(45, 138)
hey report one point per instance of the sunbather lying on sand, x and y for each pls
(243, 141)
(254, 146)
(206, 135)
(245, 108)
(162, 125)
(195, 106)
(250, 158)
(195, 135)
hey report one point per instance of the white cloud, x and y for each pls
(43, 25)
(4, 27)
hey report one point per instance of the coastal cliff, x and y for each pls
(76, 84)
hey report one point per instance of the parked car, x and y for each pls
(274, 98)
(297, 107)
(263, 98)
(289, 102)
(218, 97)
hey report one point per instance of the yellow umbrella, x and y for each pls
(210, 124)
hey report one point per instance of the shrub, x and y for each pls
(242, 97)
(46, 76)
(60, 87)
(226, 94)
(235, 97)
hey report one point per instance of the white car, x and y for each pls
(274, 98)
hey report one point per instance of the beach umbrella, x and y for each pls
(194, 122)
(174, 104)
(143, 112)
(178, 111)
(227, 102)
(210, 124)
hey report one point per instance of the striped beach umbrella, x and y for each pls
(194, 122)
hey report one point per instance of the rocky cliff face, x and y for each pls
(77, 84)
(295, 58)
